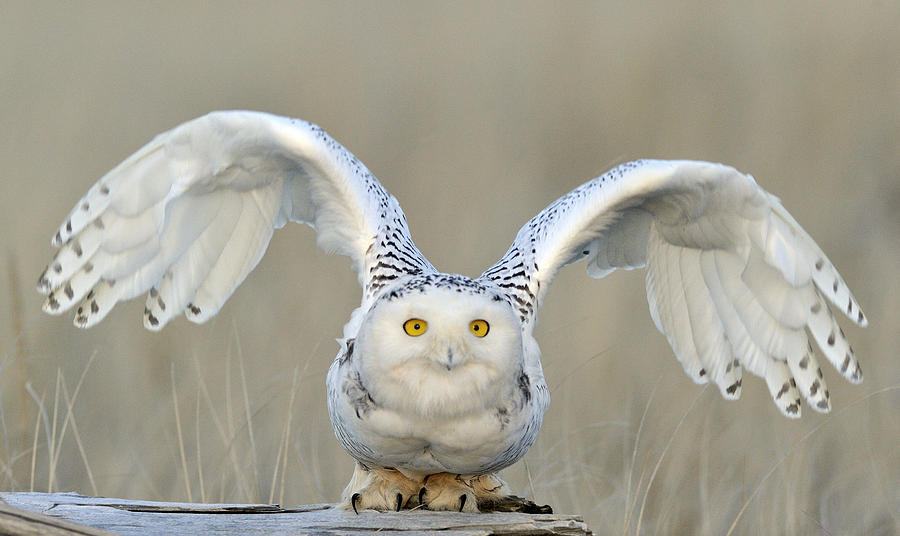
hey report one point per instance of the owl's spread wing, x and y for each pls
(732, 279)
(190, 214)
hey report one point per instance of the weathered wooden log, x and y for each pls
(20, 522)
(70, 514)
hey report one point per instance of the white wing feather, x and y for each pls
(733, 281)
(190, 214)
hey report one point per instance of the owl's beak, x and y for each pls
(449, 364)
(449, 355)
(448, 360)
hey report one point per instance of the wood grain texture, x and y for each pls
(73, 514)
(23, 522)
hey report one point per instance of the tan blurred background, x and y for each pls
(475, 117)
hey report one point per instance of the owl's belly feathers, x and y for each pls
(466, 445)
(467, 421)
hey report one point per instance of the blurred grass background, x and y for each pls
(475, 116)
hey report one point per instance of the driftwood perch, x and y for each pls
(69, 514)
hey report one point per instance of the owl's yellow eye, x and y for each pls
(415, 327)
(479, 328)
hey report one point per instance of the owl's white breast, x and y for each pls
(445, 400)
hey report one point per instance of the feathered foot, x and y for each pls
(379, 489)
(482, 493)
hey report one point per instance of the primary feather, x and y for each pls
(189, 215)
(732, 280)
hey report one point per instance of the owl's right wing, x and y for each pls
(733, 281)
(191, 213)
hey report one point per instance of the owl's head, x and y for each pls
(439, 344)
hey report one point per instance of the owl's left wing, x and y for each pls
(191, 213)
(732, 279)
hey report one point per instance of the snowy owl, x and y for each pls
(437, 384)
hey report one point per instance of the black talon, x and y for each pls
(399, 501)
(462, 501)
(422, 495)
(353, 500)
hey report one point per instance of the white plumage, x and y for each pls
(438, 382)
